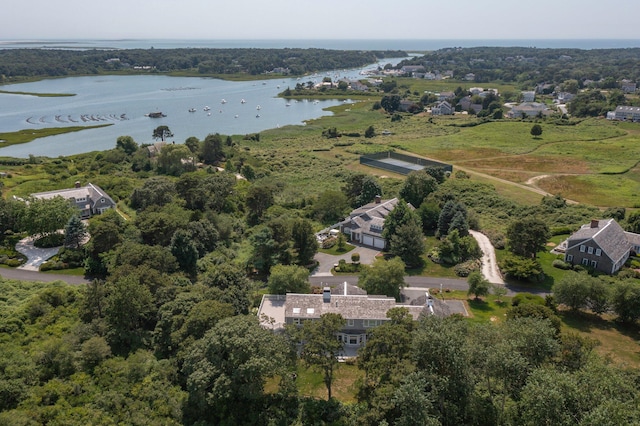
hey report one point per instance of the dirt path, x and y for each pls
(490, 269)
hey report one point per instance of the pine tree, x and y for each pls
(74, 232)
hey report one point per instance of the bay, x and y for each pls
(410, 45)
(123, 101)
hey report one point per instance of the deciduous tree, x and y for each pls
(384, 277)
(417, 186)
(320, 347)
(227, 370)
(527, 236)
(478, 285)
(288, 279)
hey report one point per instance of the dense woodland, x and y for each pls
(531, 66)
(16, 64)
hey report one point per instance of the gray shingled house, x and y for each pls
(602, 245)
(89, 199)
(361, 311)
(365, 224)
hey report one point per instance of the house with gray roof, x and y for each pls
(361, 311)
(627, 113)
(528, 109)
(365, 224)
(602, 245)
(442, 108)
(89, 199)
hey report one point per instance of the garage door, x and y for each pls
(378, 243)
(367, 240)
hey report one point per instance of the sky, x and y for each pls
(326, 19)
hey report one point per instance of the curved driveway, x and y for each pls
(490, 269)
(326, 261)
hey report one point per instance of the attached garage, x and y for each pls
(376, 242)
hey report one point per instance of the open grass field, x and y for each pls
(593, 161)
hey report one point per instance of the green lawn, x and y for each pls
(336, 251)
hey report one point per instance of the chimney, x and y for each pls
(77, 184)
(377, 199)
(595, 223)
(326, 295)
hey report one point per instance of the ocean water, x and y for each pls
(123, 101)
(355, 44)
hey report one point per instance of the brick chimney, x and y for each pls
(326, 295)
(377, 199)
(77, 184)
(595, 223)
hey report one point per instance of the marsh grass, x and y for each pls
(41, 95)
(23, 136)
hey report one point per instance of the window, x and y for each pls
(594, 264)
(354, 340)
(569, 258)
(598, 252)
(297, 321)
(590, 250)
(350, 323)
(296, 310)
(370, 323)
(582, 248)
(310, 310)
(585, 261)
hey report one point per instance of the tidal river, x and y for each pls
(192, 107)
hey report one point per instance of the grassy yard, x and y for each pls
(619, 342)
(336, 251)
(343, 388)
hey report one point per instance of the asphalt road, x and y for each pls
(415, 284)
(26, 275)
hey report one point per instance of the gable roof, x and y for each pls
(607, 234)
(370, 217)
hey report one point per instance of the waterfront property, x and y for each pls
(89, 199)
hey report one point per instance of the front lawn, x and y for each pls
(336, 251)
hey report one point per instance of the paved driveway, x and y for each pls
(35, 256)
(326, 261)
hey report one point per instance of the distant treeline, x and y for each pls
(528, 66)
(20, 63)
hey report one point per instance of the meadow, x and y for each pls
(592, 161)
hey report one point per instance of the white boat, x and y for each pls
(242, 101)
(287, 104)
(207, 108)
(257, 115)
(208, 113)
(224, 101)
(236, 116)
(192, 110)
(258, 107)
